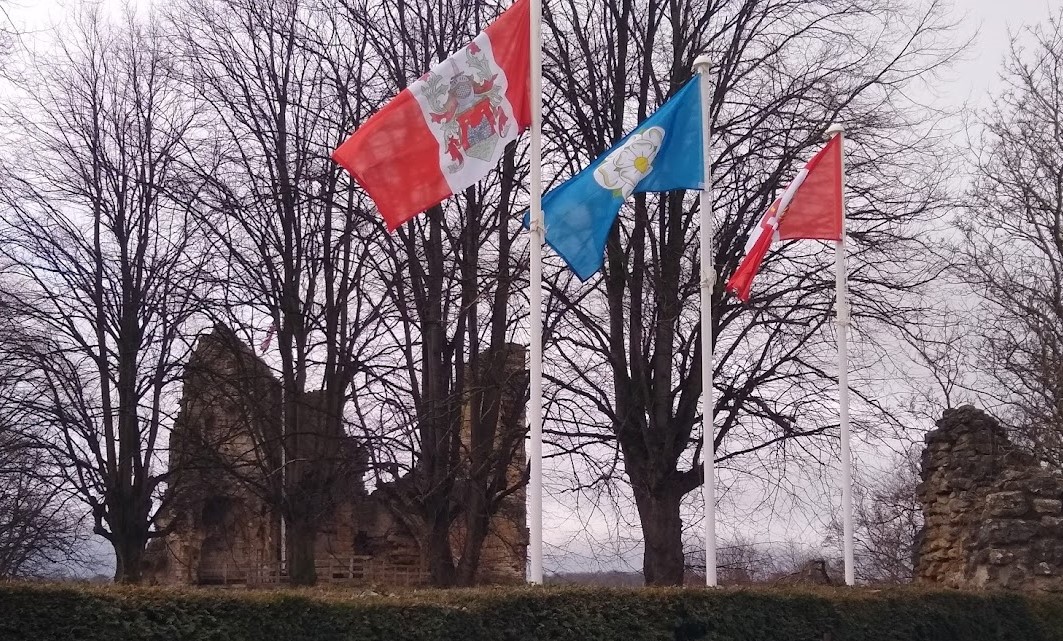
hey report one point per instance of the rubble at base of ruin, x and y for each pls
(225, 450)
(993, 517)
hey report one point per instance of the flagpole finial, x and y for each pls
(835, 129)
(702, 63)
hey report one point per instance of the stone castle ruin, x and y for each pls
(993, 516)
(227, 460)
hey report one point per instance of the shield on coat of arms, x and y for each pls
(477, 131)
(467, 108)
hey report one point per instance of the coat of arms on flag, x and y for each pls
(448, 129)
(468, 110)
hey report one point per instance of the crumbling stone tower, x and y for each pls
(993, 517)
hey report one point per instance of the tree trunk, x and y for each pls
(477, 522)
(440, 558)
(662, 531)
(129, 558)
(302, 536)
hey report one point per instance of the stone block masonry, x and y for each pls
(993, 517)
(225, 451)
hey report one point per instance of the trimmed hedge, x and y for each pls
(77, 613)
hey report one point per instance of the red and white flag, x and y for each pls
(264, 345)
(448, 129)
(811, 207)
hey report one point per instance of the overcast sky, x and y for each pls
(994, 20)
(973, 78)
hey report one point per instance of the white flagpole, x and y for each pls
(702, 66)
(536, 235)
(842, 296)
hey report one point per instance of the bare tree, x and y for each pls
(40, 532)
(285, 81)
(887, 520)
(743, 562)
(625, 347)
(942, 370)
(454, 287)
(37, 531)
(746, 562)
(103, 255)
(8, 31)
(1012, 254)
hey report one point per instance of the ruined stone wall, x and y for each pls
(993, 517)
(505, 549)
(227, 427)
(225, 448)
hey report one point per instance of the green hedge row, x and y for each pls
(73, 613)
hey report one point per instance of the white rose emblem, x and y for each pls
(622, 170)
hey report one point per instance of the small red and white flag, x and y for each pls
(264, 345)
(809, 208)
(448, 129)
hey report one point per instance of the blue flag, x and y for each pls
(662, 154)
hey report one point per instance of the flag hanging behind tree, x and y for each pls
(664, 153)
(264, 345)
(809, 208)
(448, 129)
